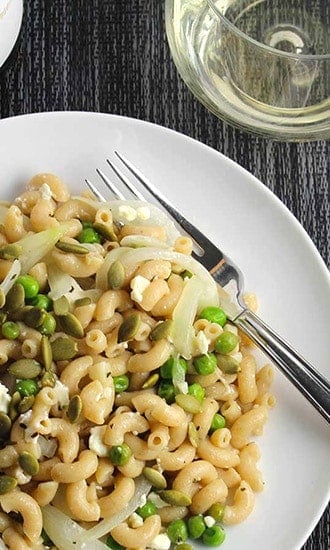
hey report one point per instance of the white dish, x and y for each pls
(11, 13)
(277, 257)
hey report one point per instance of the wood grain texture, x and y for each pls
(112, 56)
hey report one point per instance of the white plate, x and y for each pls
(11, 13)
(280, 263)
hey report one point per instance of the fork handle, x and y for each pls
(301, 373)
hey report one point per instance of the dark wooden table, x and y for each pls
(111, 56)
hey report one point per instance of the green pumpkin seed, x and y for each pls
(29, 463)
(61, 306)
(72, 248)
(83, 302)
(151, 381)
(193, 434)
(15, 298)
(129, 328)
(3, 317)
(162, 330)
(107, 232)
(188, 403)
(18, 314)
(74, 409)
(183, 546)
(7, 484)
(71, 325)
(116, 275)
(46, 352)
(13, 405)
(157, 480)
(11, 251)
(228, 364)
(5, 425)
(48, 379)
(175, 498)
(25, 368)
(25, 404)
(34, 317)
(2, 298)
(64, 349)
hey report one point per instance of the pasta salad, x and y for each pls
(129, 403)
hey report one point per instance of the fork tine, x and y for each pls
(94, 190)
(126, 181)
(110, 185)
(200, 239)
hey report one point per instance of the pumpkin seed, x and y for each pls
(2, 297)
(71, 325)
(64, 348)
(193, 434)
(25, 368)
(3, 317)
(15, 297)
(188, 403)
(29, 463)
(157, 479)
(46, 352)
(106, 231)
(72, 248)
(129, 328)
(83, 302)
(48, 379)
(34, 317)
(183, 546)
(228, 364)
(5, 425)
(162, 330)
(7, 484)
(151, 381)
(10, 251)
(74, 409)
(25, 404)
(175, 498)
(18, 314)
(15, 400)
(116, 275)
(61, 306)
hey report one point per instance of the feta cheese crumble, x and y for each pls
(160, 542)
(143, 212)
(45, 192)
(4, 398)
(209, 521)
(138, 286)
(95, 441)
(127, 212)
(202, 342)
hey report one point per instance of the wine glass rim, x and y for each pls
(271, 49)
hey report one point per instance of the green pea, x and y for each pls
(48, 326)
(205, 364)
(214, 315)
(197, 391)
(186, 274)
(166, 370)
(10, 330)
(166, 391)
(216, 511)
(177, 531)
(120, 454)
(196, 526)
(89, 235)
(226, 342)
(218, 422)
(214, 536)
(27, 387)
(121, 383)
(147, 510)
(30, 285)
(41, 301)
(113, 544)
(86, 224)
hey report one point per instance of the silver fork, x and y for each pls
(302, 374)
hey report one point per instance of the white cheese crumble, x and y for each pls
(160, 542)
(143, 212)
(127, 212)
(230, 328)
(138, 286)
(95, 441)
(4, 398)
(45, 192)
(202, 342)
(209, 521)
(47, 446)
(62, 393)
(135, 520)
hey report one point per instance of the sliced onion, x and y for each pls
(64, 532)
(184, 316)
(62, 284)
(11, 276)
(136, 241)
(142, 488)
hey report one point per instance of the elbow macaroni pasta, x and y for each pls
(110, 405)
